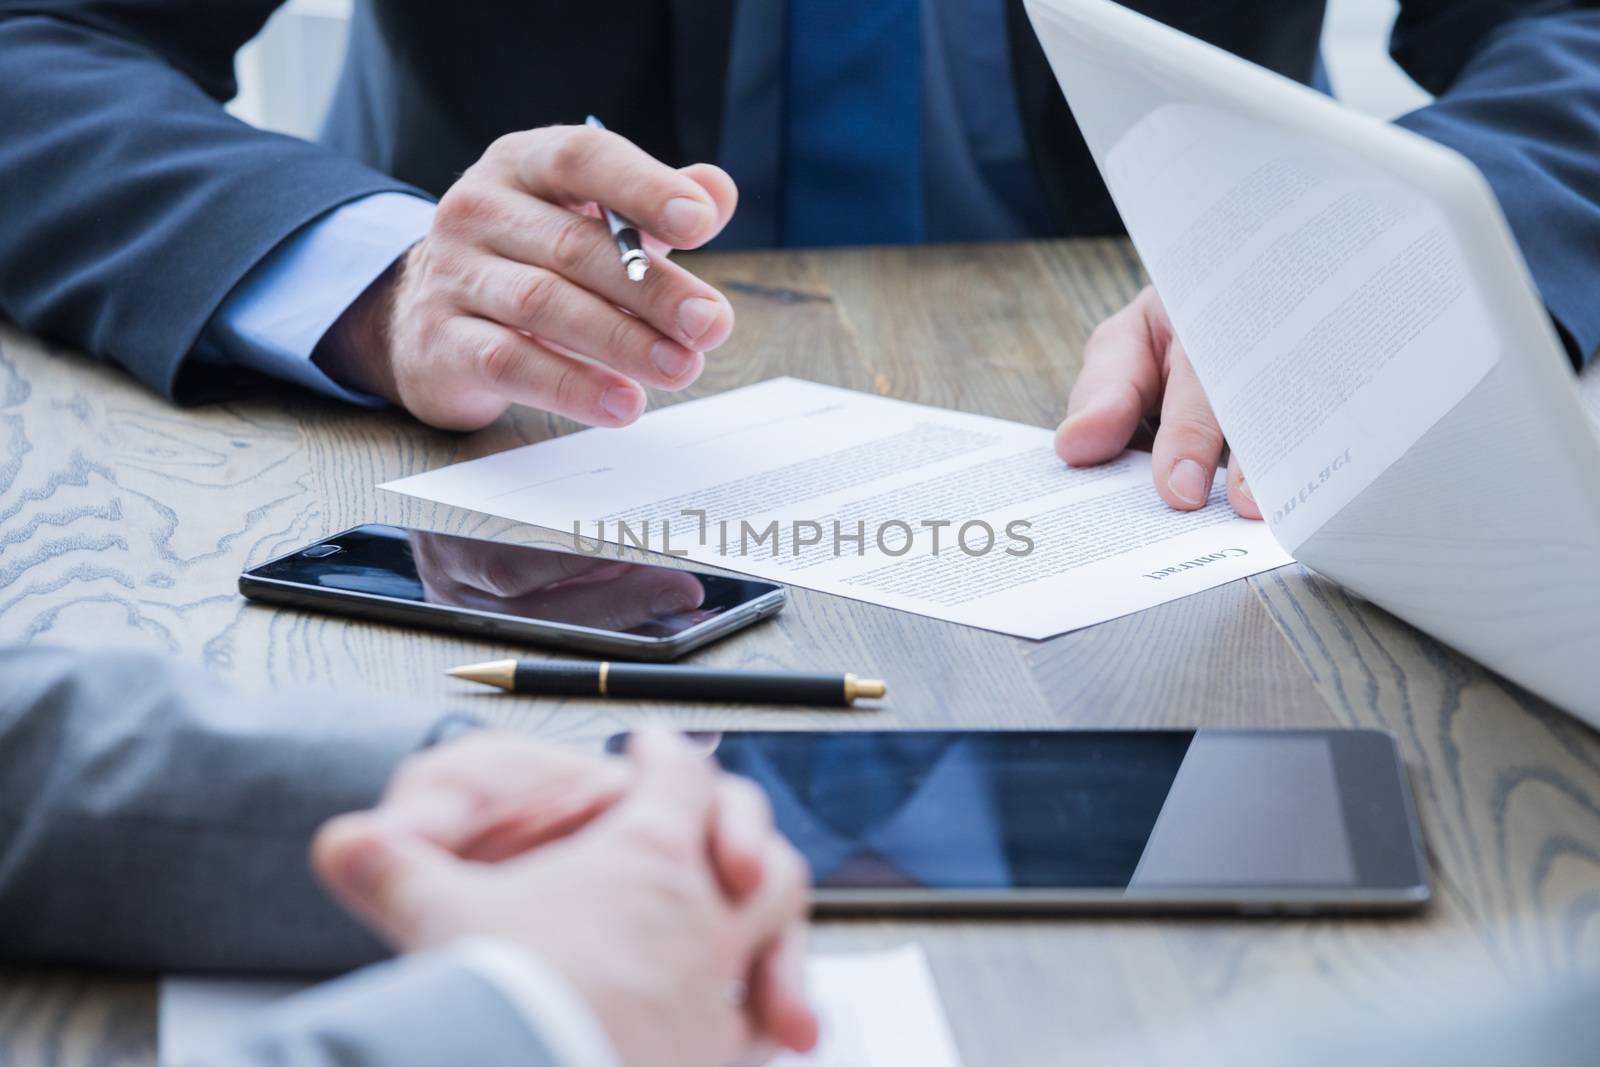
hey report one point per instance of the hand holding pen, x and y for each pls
(515, 295)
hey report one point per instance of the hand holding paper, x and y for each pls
(1134, 365)
(1354, 302)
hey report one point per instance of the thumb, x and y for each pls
(405, 889)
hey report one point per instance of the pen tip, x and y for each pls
(871, 688)
(636, 270)
(498, 673)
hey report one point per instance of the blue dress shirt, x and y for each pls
(977, 184)
(274, 318)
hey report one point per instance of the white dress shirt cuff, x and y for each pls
(552, 1008)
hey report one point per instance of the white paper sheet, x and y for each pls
(917, 508)
(878, 1009)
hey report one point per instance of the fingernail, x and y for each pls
(670, 602)
(670, 359)
(622, 403)
(1188, 482)
(695, 316)
(1244, 490)
(683, 218)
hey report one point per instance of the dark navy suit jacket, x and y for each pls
(131, 204)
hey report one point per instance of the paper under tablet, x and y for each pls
(878, 1009)
(706, 479)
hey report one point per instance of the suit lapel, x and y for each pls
(702, 31)
(1044, 114)
(1074, 195)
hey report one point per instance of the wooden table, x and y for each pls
(123, 519)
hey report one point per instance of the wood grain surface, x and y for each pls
(124, 520)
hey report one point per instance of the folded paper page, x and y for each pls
(1325, 303)
(1358, 310)
(955, 516)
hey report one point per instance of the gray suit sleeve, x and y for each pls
(150, 818)
(423, 1011)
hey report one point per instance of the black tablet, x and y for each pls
(1251, 821)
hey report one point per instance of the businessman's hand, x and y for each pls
(629, 909)
(491, 794)
(517, 277)
(1135, 366)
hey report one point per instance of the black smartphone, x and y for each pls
(1241, 821)
(567, 600)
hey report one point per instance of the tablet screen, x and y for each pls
(1130, 810)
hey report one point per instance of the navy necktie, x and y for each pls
(858, 781)
(852, 161)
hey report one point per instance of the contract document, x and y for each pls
(878, 1009)
(955, 516)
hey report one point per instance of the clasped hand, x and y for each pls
(653, 884)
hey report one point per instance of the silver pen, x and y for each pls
(635, 260)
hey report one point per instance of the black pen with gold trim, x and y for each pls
(651, 681)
